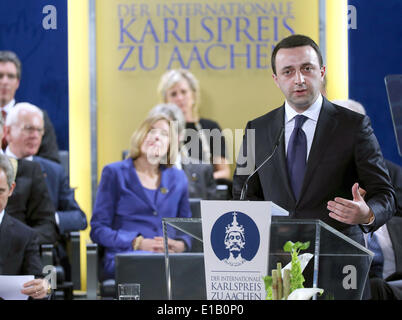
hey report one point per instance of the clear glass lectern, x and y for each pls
(339, 265)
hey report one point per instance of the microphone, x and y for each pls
(245, 185)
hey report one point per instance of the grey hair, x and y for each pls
(7, 167)
(172, 112)
(351, 105)
(12, 116)
(9, 56)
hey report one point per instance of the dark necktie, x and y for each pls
(377, 265)
(297, 155)
(4, 141)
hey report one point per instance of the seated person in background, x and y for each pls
(386, 242)
(200, 177)
(19, 250)
(181, 88)
(30, 201)
(135, 194)
(10, 77)
(24, 131)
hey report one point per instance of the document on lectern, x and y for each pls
(236, 248)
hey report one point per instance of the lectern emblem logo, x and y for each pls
(235, 238)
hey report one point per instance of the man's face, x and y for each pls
(5, 191)
(25, 136)
(299, 76)
(9, 82)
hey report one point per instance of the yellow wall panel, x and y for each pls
(79, 115)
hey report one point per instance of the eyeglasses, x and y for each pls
(32, 129)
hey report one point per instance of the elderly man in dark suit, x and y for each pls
(30, 201)
(19, 249)
(24, 130)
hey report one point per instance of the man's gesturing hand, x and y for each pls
(354, 211)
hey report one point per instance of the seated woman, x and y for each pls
(201, 183)
(181, 88)
(135, 194)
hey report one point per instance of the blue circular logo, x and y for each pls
(235, 238)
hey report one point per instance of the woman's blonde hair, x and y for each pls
(174, 76)
(140, 134)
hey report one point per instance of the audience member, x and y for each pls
(30, 202)
(10, 77)
(387, 264)
(135, 194)
(19, 251)
(24, 131)
(182, 88)
(200, 177)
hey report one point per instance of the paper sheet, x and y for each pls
(11, 286)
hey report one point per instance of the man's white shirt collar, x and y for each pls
(9, 153)
(312, 112)
(8, 106)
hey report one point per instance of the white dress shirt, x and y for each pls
(309, 125)
(387, 250)
(1, 216)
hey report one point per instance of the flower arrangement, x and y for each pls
(287, 283)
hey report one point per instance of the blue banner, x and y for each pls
(37, 32)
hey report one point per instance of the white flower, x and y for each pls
(304, 293)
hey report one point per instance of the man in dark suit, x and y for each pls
(24, 128)
(10, 77)
(327, 151)
(19, 250)
(30, 202)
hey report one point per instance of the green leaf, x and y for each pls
(268, 287)
(288, 246)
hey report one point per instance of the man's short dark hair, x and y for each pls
(293, 41)
(9, 56)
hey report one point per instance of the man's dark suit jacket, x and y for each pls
(19, 250)
(31, 203)
(344, 151)
(395, 172)
(71, 217)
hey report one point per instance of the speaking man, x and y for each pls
(324, 154)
